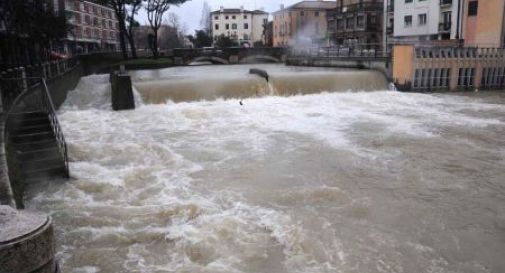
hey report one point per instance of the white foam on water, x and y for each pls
(187, 187)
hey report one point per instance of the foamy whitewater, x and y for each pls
(350, 182)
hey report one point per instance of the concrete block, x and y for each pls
(26, 242)
(121, 92)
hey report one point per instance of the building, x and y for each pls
(484, 23)
(302, 24)
(357, 23)
(421, 21)
(93, 27)
(168, 38)
(245, 27)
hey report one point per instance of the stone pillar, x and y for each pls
(26, 242)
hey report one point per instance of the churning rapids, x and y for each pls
(350, 182)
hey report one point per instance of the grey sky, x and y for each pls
(191, 12)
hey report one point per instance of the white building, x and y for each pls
(243, 26)
(426, 20)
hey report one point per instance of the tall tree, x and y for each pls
(134, 8)
(119, 7)
(200, 39)
(205, 21)
(155, 11)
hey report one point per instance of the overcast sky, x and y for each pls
(191, 12)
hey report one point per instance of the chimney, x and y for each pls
(282, 6)
(221, 9)
(241, 9)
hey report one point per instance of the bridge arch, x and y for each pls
(212, 59)
(250, 59)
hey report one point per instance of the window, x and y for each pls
(226, 17)
(316, 13)
(216, 17)
(473, 7)
(265, 21)
(302, 13)
(246, 26)
(246, 37)
(422, 19)
(233, 17)
(407, 20)
(340, 24)
(110, 24)
(349, 23)
(234, 26)
(104, 23)
(245, 16)
(78, 18)
(361, 21)
(227, 26)
(373, 19)
(216, 27)
(408, 1)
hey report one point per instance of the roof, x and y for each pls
(317, 5)
(239, 11)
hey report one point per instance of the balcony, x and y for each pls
(445, 2)
(444, 27)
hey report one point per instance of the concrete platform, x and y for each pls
(26, 242)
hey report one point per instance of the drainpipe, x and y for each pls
(458, 21)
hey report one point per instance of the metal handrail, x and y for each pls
(341, 52)
(48, 105)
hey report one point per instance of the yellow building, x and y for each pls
(303, 23)
(483, 23)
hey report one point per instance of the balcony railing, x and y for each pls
(444, 27)
(360, 7)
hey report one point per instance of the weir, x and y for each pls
(240, 82)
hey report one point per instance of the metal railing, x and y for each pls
(39, 101)
(341, 52)
(48, 106)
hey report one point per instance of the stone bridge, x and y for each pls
(234, 55)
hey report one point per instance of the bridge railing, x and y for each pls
(368, 52)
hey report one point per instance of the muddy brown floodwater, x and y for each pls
(350, 182)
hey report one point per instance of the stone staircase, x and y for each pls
(35, 147)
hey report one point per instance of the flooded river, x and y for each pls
(362, 180)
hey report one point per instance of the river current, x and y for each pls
(350, 181)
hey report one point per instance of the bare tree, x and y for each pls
(134, 8)
(155, 11)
